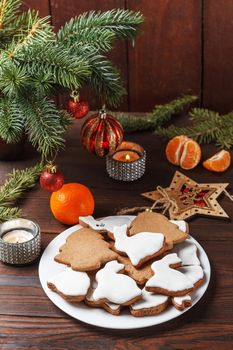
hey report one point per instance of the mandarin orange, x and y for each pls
(70, 202)
(183, 151)
(174, 149)
(219, 162)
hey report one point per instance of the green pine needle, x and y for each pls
(16, 184)
(160, 115)
(8, 213)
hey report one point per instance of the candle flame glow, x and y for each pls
(127, 157)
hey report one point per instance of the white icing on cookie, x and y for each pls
(181, 300)
(149, 300)
(181, 224)
(71, 283)
(168, 278)
(89, 297)
(106, 224)
(139, 246)
(187, 252)
(115, 287)
(193, 273)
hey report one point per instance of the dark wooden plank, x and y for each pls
(62, 11)
(42, 6)
(29, 319)
(218, 48)
(166, 60)
(39, 333)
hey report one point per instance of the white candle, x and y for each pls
(17, 236)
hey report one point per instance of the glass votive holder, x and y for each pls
(20, 241)
(127, 163)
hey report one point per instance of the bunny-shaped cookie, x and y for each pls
(168, 281)
(140, 247)
(115, 287)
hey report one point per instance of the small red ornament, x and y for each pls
(51, 179)
(78, 108)
(101, 134)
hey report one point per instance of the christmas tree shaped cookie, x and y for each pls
(85, 250)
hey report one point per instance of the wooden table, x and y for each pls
(28, 319)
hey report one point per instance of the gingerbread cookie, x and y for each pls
(181, 303)
(139, 248)
(112, 308)
(155, 222)
(194, 273)
(85, 250)
(167, 280)
(150, 304)
(104, 225)
(71, 285)
(140, 275)
(187, 252)
(114, 287)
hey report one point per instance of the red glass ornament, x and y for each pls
(51, 179)
(78, 108)
(101, 134)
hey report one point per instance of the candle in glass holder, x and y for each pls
(127, 163)
(126, 156)
(20, 241)
(17, 236)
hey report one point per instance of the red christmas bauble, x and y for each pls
(51, 179)
(78, 108)
(101, 134)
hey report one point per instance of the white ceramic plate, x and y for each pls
(99, 317)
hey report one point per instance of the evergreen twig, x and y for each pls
(16, 184)
(208, 126)
(160, 115)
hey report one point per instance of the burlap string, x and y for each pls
(165, 203)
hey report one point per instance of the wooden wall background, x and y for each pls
(186, 46)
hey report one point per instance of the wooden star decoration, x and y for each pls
(191, 198)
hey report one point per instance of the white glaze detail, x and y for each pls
(193, 273)
(181, 224)
(106, 224)
(71, 283)
(139, 246)
(180, 300)
(149, 300)
(115, 287)
(187, 252)
(89, 297)
(168, 278)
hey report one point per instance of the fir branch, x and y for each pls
(13, 80)
(105, 79)
(43, 126)
(88, 26)
(208, 126)
(11, 121)
(8, 11)
(131, 123)
(159, 116)
(163, 113)
(17, 183)
(8, 213)
(32, 30)
(55, 64)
